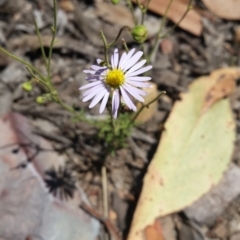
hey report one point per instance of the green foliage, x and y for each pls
(115, 136)
(115, 2)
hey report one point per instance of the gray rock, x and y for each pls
(211, 205)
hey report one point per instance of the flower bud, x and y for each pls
(139, 33)
(27, 86)
(115, 1)
(40, 99)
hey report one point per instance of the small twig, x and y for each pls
(105, 191)
(41, 44)
(107, 223)
(54, 30)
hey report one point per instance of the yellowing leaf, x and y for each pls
(194, 151)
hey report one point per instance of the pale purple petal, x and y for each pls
(92, 94)
(115, 103)
(114, 59)
(133, 91)
(96, 67)
(89, 71)
(140, 71)
(104, 102)
(132, 61)
(88, 91)
(92, 78)
(127, 100)
(137, 66)
(138, 78)
(139, 84)
(99, 61)
(125, 58)
(92, 84)
(122, 59)
(97, 98)
(139, 91)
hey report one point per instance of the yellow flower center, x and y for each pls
(115, 78)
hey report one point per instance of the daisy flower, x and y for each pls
(121, 81)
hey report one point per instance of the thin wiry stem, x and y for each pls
(54, 30)
(118, 36)
(179, 21)
(105, 192)
(41, 43)
(21, 61)
(130, 5)
(155, 45)
(105, 47)
(144, 11)
(146, 106)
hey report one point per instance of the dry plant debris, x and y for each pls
(192, 21)
(225, 9)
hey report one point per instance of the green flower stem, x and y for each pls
(155, 45)
(118, 36)
(54, 30)
(30, 66)
(105, 47)
(125, 45)
(130, 5)
(40, 42)
(144, 10)
(42, 81)
(146, 106)
(180, 20)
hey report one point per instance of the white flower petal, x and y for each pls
(127, 100)
(115, 59)
(133, 91)
(122, 59)
(125, 58)
(88, 91)
(138, 72)
(132, 61)
(104, 102)
(139, 84)
(97, 98)
(92, 94)
(92, 84)
(138, 78)
(89, 71)
(137, 66)
(115, 103)
(99, 61)
(95, 67)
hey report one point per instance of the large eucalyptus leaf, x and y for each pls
(194, 151)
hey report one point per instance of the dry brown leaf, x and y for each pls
(67, 5)
(154, 231)
(31, 42)
(191, 22)
(114, 14)
(227, 9)
(224, 86)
